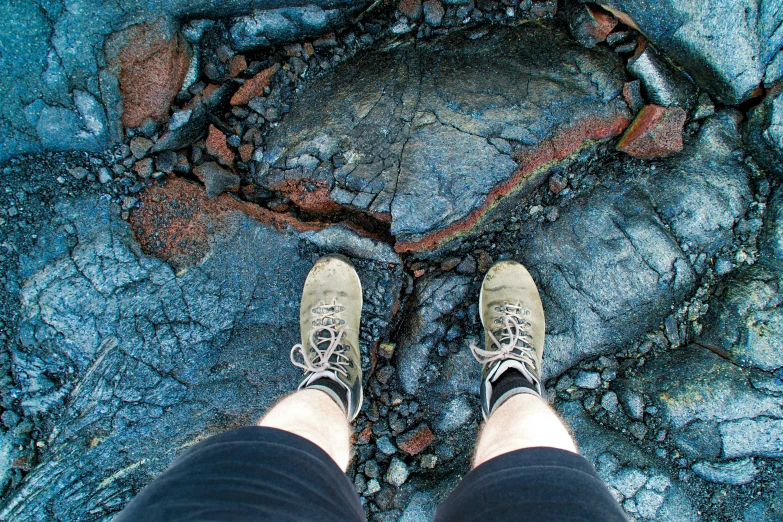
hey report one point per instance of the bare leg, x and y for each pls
(313, 415)
(523, 421)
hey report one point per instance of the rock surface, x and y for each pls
(631, 233)
(431, 136)
(51, 53)
(136, 362)
(728, 47)
(764, 134)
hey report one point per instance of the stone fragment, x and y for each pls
(104, 175)
(386, 446)
(218, 148)
(632, 92)
(628, 481)
(266, 27)
(188, 125)
(760, 436)
(236, 65)
(609, 402)
(416, 440)
(165, 161)
(373, 487)
(648, 502)
(733, 472)
(78, 173)
(656, 132)
(151, 61)
(433, 12)
(254, 86)
(663, 83)
(397, 473)
(429, 461)
(589, 380)
(588, 23)
(216, 179)
(410, 8)
(143, 168)
(245, 152)
(140, 146)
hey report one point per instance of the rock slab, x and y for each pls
(430, 135)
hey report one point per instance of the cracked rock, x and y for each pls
(429, 136)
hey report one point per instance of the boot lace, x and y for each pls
(512, 340)
(328, 353)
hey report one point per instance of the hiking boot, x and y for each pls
(329, 317)
(513, 320)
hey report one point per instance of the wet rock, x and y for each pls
(631, 234)
(216, 179)
(764, 134)
(254, 86)
(138, 352)
(664, 84)
(150, 61)
(656, 132)
(402, 148)
(727, 47)
(735, 472)
(588, 23)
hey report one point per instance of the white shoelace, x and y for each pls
(322, 361)
(513, 339)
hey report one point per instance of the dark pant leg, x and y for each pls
(536, 484)
(249, 473)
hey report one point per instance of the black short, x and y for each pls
(258, 473)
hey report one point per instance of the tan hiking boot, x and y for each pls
(513, 319)
(329, 318)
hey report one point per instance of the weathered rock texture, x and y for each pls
(430, 136)
(764, 134)
(56, 90)
(720, 412)
(610, 268)
(729, 47)
(745, 317)
(131, 363)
